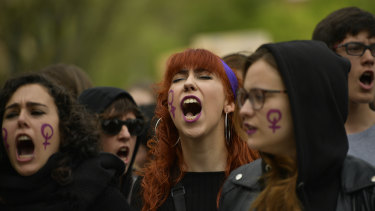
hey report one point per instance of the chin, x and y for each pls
(26, 172)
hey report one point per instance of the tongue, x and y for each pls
(189, 114)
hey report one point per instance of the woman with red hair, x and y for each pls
(196, 143)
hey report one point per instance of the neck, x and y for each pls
(360, 118)
(205, 154)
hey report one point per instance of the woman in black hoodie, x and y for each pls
(49, 159)
(293, 108)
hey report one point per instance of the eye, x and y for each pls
(205, 77)
(37, 112)
(177, 80)
(355, 47)
(10, 114)
(178, 77)
(257, 95)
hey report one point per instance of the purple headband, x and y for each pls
(232, 78)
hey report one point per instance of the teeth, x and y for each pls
(190, 117)
(26, 156)
(23, 138)
(190, 100)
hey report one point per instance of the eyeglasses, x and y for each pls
(357, 48)
(255, 96)
(114, 126)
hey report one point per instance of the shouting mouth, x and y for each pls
(123, 153)
(25, 148)
(191, 108)
(367, 79)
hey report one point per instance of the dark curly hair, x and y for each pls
(346, 21)
(78, 137)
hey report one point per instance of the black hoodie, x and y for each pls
(316, 81)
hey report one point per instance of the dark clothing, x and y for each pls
(93, 187)
(357, 189)
(201, 188)
(317, 87)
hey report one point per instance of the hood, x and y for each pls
(316, 80)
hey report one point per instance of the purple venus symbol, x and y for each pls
(170, 103)
(5, 137)
(274, 116)
(47, 132)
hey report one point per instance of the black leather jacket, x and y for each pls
(357, 187)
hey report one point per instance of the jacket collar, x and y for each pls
(248, 175)
(356, 174)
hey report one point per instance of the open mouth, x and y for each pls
(191, 108)
(25, 148)
(249, 129)
(367, 79)
(123, 153)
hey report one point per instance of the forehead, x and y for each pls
(31, 93)
(261, 73)
(362, 36)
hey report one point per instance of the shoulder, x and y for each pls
(357, 174)
(241, 187)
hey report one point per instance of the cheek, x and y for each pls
(5, 137)
(171, 107)
(274, 117)
(47, 133)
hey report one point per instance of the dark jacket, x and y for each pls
(357, 186)
(316, 82)
(93, 187)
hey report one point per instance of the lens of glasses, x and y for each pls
(135, 126)
(257, 98)
(241, 97)
(358, 49)
(355, 49)
(114, 126)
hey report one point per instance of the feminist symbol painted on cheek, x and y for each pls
(47, 132)
(170, 103)
(5, 137)
(274, 116)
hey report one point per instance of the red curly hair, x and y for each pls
(166, 166)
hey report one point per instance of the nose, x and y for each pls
(368, 58)
(124, 133)
(189, 84)
(22, 120)
(247, 109)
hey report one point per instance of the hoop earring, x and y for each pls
(227, 129)
(178, 140)
(156, 125)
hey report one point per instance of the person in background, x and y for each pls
(350, 32)
(119, 121)
(299, 133)
(49, 156)
(145, 98)
(196, 143)
(69, 76)
(236, 62)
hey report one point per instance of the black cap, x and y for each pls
(97, 99)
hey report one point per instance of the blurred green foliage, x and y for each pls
(118, 42)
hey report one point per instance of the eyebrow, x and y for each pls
(28, 104)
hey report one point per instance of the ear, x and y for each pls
(229, 107)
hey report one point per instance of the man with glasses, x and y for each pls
(350, 32)
(120, 121)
